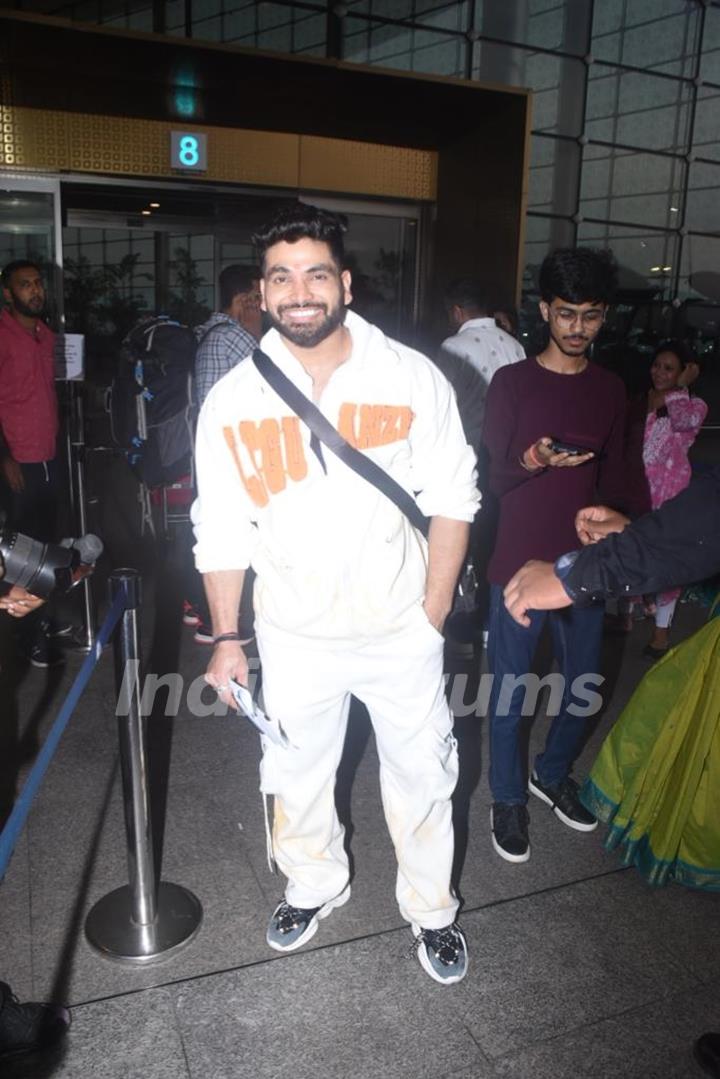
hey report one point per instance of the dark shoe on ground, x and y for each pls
(291, 927)
(442, 952)
(706, 1051)
(564, 800)
(650, 652)
(203, 634)
(44, 654)
(26, 1028)
(509, 824)
(191, 616)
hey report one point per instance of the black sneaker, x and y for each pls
(25, 1028)
(442, 952)
(43, 654)
(509, 824)
(291, 927)
(706, 1051)
(565, 803)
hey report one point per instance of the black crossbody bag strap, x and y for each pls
(311, 415)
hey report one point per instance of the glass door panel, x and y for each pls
(29, 218)
(381, 258)
(381, 245)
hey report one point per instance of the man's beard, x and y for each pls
(308, 336)
(574, 350)
(34, 310)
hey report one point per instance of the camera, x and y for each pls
(44, 568)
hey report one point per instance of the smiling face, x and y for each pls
(573, 326)
(665, 371)
(304, 292)
(25, 292)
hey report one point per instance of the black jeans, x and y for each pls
(34, 511)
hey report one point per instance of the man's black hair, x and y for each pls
(578, 275)
(18, 264)
(469, 293)
(298, 222)
(234, 280)
(678, 348)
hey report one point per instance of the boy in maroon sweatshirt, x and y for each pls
(558, 397)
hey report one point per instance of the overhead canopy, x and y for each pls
(479, 133)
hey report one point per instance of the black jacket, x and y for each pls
(676, 544)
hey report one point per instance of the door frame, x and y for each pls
(381, 207)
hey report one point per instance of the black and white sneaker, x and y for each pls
(291, 927)
(28, 1028)
(44, 654)
(509, 824)
(565, 803)
(442, 952)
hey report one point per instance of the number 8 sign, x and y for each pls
(188, 151)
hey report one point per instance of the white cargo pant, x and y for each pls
(400, 680)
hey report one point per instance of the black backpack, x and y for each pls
(151, 400)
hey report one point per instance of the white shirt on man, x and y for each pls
(336, 559)
(482, 343)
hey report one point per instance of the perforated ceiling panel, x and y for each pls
(115, 145)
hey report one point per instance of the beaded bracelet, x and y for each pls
(532, 454)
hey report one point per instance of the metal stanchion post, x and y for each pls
(87, 640)
(138, 922)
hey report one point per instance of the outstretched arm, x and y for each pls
(596, 522)
(678, 543)
(535, 587)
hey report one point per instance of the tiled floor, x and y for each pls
(577, 967)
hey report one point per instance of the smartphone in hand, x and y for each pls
(566, 447)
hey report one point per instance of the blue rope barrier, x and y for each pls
(16, 820)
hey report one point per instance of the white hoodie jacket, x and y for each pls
(335, 559)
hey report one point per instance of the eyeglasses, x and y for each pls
(567, 317)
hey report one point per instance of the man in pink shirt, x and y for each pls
(29, 470)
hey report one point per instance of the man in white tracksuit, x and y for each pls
(349, 597)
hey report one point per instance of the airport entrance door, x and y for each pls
(130, 250)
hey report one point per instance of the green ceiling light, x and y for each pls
(185, 93)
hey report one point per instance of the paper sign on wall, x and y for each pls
(70, 356)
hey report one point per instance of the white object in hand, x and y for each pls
(270, 728)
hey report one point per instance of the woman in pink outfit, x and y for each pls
(671, 426)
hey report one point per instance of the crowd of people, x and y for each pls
(339, 482)
(341, 570)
